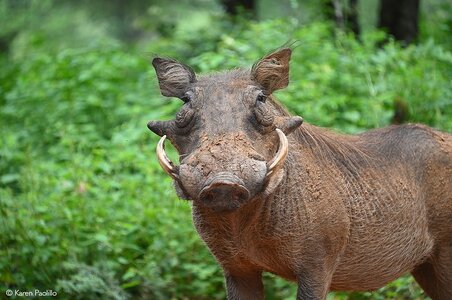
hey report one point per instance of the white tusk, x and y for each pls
(281, 154)
(164, 161)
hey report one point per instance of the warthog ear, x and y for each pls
(272, 71)
(174, 78)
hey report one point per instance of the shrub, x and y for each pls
(85, 208)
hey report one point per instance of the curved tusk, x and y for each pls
(281, 154)
(164, 161)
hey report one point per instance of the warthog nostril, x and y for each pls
(223, 194)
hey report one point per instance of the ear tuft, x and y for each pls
(174, 78)
(272, 71)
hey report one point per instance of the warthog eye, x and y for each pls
(261, 98)
(187, 97)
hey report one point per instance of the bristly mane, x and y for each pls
(227, 76)
(328, 146)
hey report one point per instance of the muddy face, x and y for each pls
(231, 141)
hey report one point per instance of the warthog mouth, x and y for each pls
(224, 192)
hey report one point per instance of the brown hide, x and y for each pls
(340, 212)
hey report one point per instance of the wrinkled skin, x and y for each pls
(328, 211)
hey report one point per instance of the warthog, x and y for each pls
(326, 210)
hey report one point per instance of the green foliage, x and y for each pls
(90, 283)
(85, 208)
(78, 186)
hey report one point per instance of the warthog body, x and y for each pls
(328, 211)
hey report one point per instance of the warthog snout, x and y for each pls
(224, 192)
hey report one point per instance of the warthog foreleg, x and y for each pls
(244, 286)
(435, 275)
(313, 284)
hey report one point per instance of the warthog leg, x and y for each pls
(245, 286)
(313, 285)
(435, 275)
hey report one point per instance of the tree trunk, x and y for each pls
(334, 12)
(400, 19)
(345, 18)
(234, 7)
(352, 18)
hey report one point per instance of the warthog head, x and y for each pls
(231, 140)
